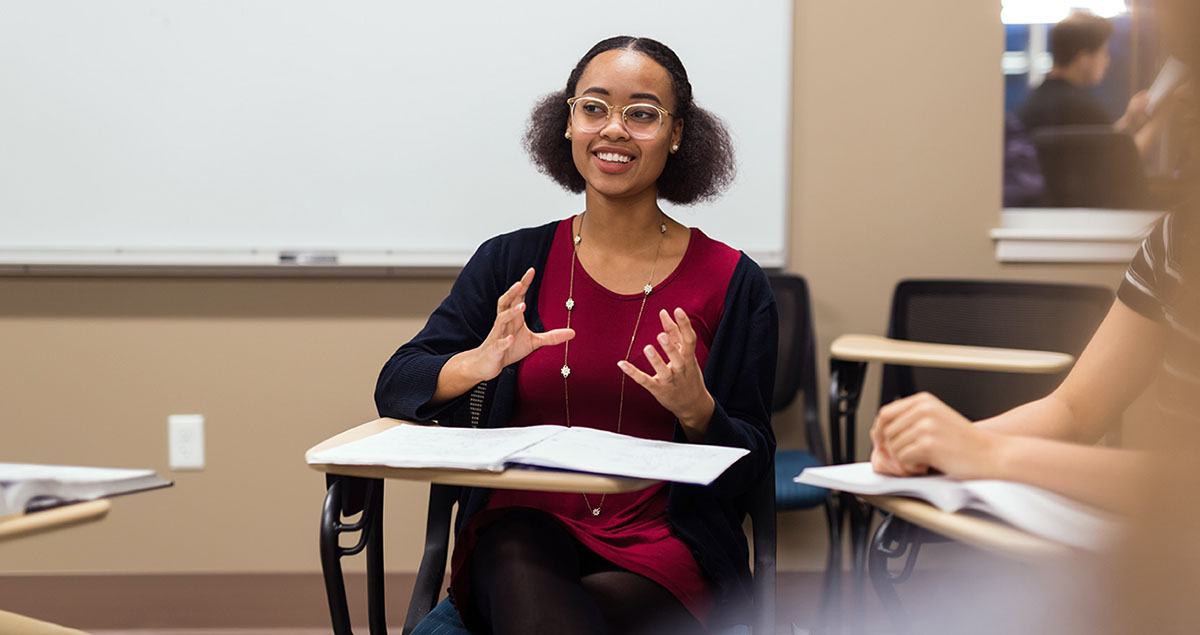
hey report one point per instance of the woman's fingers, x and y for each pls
(515, 293)
(904, 425)
(506, 299)
(679, 330)
(510, 318)
(672, 348)
(636, 374)
(526, 280)
(883, 462)
(552, 338)
(899, 407)
(686, 332)
(656, 362)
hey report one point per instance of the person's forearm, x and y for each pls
(1046, 418)
(1109, 478)
(458, 375)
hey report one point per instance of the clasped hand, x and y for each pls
(919, 432)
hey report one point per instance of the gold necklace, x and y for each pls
(570, 304)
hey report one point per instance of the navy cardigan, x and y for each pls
(739, 373)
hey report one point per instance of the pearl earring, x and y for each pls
(675, 148)
(567, 135)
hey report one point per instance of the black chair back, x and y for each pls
(796, 371)
(1091, 166)
(1036, 316)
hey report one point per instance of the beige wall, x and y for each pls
(896, 164)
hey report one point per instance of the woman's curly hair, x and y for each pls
(699, 171)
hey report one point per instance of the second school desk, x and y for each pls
(340, 498)
(848, 359)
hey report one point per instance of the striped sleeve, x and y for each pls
(1148, 279)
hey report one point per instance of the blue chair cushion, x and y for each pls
(444, 620)
(788, 493)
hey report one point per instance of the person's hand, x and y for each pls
(510, 339)
(1135, 113)
(884, 463)
(920, 432)
(677, 383)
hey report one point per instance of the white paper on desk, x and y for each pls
(1038, 511)
(21, 483)
(411, 445)
(558, 447)
(601, 452)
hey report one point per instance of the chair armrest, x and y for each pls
(52, 519)
(875, 348)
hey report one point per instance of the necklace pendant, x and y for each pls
(570, 303)
(578, 238)
(595, 511)
(647, 289)
(662, 228)
(566, 371)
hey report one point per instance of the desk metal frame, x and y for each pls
(359, 488)
(849, 356)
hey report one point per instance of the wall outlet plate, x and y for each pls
(185, 442)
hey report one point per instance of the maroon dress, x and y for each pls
(632, 530)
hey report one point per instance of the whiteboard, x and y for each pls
(177, 132)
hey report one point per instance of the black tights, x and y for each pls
(528, 576)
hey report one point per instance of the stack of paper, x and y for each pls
(575, 449)
(1033, 509)
(25, 486)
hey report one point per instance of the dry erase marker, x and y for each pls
(308, 258)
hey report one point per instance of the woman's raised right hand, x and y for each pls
(510, 339)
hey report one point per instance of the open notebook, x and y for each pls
(557, 447)
(1032, 509)
(30, 487)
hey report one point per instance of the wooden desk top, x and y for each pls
(52, 519)
(511, 478)
(977, 531)
(874, 348)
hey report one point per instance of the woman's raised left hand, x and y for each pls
(678, 382)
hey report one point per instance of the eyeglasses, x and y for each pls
(591, 114)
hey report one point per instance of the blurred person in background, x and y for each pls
(1079, 47)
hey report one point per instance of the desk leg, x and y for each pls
(893, 540)
(376, 611)
(350, 495)
(331, 564)
(845, 391)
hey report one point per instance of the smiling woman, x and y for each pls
(699, 170)
(618, 318)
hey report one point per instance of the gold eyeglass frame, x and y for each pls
(624, 118)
